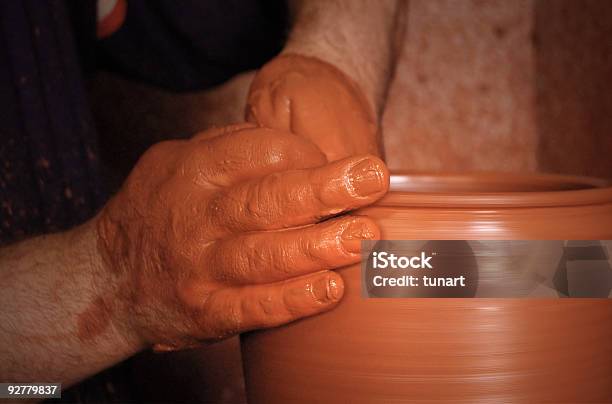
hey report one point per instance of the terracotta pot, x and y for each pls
(389, 350)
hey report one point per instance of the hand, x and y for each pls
(222, 233)
(331, 81)
(315, 100)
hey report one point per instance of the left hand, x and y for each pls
(330, 82)
(314, 99)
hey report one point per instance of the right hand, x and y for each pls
(223, 233)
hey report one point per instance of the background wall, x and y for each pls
(480, 85)
(463, 96)
(517, 86)
(573, 80)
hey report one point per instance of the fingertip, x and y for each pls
(314, 293)
(368, 177)
(337, 286)
(381, 166)
(328, 288)
(350, 183)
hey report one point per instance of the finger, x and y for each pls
(249, 153)
(299, 197)
(222, 130)
(236, 310)
(265, 257)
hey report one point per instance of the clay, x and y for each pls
(468, 350)
(311, 98)
(223, 233)
(94, 320)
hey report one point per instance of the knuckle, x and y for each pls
(273, 259)
(285, 146)
(262, 199)
(155, 150)
(281, 261)
(288, 305)
(159, 159)
(251, 255)
(234, 319)
(217, 208)
(224, 208)
(196, 162)
(323, 197)
(316, 250)
(260, 312)
(245, 262)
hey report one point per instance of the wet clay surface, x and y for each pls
(222, 233)
(314, 99)
(458, 350)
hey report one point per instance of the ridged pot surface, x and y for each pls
(390, 350)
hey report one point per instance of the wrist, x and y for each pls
(113, 289)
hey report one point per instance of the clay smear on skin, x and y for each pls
(159, 232)
(94, 320)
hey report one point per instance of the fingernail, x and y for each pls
(327, 288)
(354, 234)
(366, 177)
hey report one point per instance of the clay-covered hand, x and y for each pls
(311, 98)
(223, 233)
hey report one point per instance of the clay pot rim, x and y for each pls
(596, 191)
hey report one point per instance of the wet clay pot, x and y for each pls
(460, 350)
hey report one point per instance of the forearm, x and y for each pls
(357, 36)
(59, 320)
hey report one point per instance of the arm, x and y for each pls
(58, 321)
(191, 250)
(330, 82)
(360, 38)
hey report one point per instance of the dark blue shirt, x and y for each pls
(49, 168)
